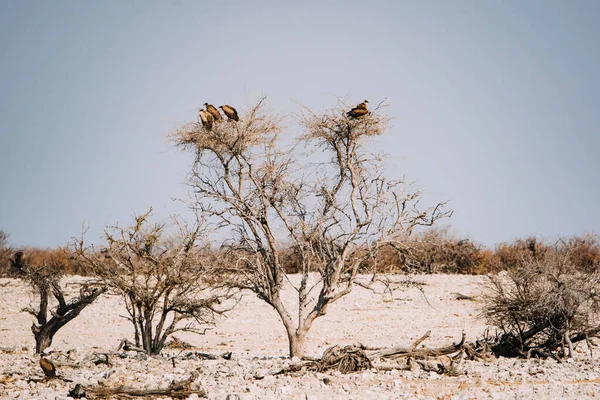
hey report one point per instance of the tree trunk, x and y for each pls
(43, 339)
(44, 332)
(296, 336)
(297, 343)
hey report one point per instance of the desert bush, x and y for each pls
(582, 251)
(59, 259)
(44, 278)
(438, 251)
(163, 281)
(543, 305)
(512, 255)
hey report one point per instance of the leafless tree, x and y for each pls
(326, 194)
(4, 253)
(45, 280)
(162, 281)
(3, 239)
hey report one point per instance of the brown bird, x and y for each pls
(215, 113)
(358, 111)
(230, 112)
(207, 119)
(48, 367)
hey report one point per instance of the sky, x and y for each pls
(494, 104)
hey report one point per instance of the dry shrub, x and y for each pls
(512, 255)
(582, 251)
(438, 251)
(543, 305)
(162, 279)
(60, 260)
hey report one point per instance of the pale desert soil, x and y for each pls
(257, 339)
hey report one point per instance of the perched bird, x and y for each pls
(48, 367)
(363, 104)
(207, 119)
(215, 113)
(358, 111)
(230, 112)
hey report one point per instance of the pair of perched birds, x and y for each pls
(211, 114)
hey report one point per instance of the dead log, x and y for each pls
(178, 390)
(403, 351)
(421, 340)
(356, 358)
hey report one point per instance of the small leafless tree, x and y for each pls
(326, 194)
(162, 281)
(45, 280)
(3, 239)
(4, 254)
(543, 305)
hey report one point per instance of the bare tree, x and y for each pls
(162, 281)
(45, 280)
(3, 239)
(4, 254)
(326, 194)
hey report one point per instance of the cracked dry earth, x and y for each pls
(254, 335)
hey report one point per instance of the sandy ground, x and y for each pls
(256, 337)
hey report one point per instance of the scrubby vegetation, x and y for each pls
(164, 282)
(544, 305)
(426, 252)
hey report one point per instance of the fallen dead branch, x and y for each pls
(358, 358)
(178, 390)
(412, 351)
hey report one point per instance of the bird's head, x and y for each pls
(205, 104)
(221, 107)
(366, 101)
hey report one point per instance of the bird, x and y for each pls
(48, 367)
(215, 113)
(207, 119)
(358, 111)
(230, 112)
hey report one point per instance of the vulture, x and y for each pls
(213, 110)
(230, 112)
(358, 111)
(48, 367)
(207, 119)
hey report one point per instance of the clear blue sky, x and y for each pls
(496, 104)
